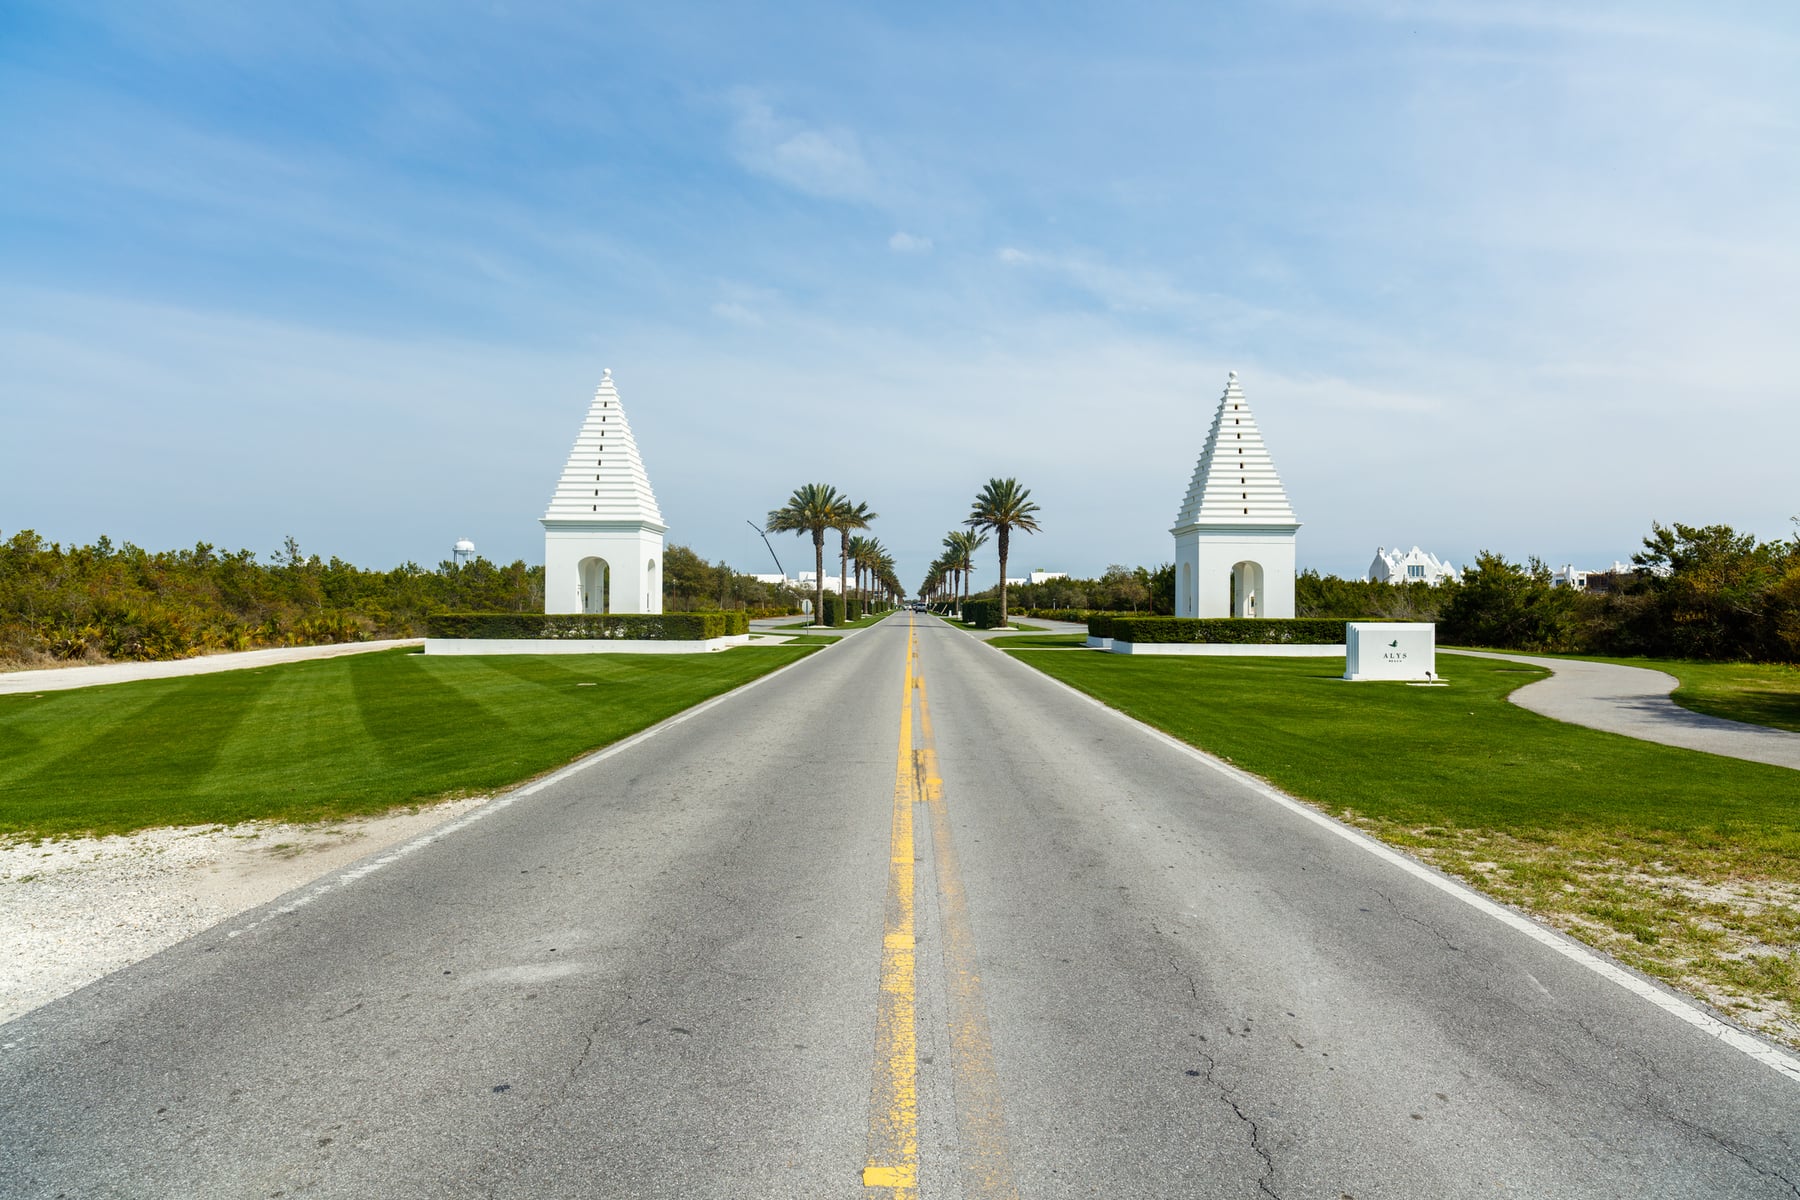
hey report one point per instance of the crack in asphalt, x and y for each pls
(1266, 1182)
(1435, 932)
(1792, 1186)
(1427, 926)
(542, 1110)
(1654, 1104)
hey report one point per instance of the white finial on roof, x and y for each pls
(1231, 374)
(606, 373)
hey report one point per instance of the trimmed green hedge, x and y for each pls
(982, 614)
(834, 609)
(1100, 625)
(1259, 631)
(655, 627)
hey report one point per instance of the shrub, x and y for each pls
(1258, 631)
(1100, 625)
(1058, 614)
(676, 627)
(834, 609)
(853, 609)
(982, 614)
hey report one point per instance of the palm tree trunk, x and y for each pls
(1003, 531)
(819, 577)
(843, 570)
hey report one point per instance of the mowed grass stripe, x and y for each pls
(109, 747)
(341, 737)
(274, 753)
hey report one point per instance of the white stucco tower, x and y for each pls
(603, 534)
(1234, 536)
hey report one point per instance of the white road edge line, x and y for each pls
(1776, 1059)
(505, 800)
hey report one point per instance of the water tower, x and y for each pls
(459, 553)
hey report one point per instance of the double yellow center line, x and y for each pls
(893, 1162)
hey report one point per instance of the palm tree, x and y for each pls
(967, 543)
(952, 560)
(934, 580)
(1003, 506)
(878, 561)
(813, 508)
(849, 516)
(864, 552)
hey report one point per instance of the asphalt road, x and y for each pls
(924, 915)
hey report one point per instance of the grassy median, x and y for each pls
(333, 738)
(1684, 865)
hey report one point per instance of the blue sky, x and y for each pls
(1494, 276)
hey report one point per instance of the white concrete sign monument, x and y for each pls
(1390, 650)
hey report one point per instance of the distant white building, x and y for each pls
(1570, 576)
(1045, 576)
(805, 583)
(1411, 566)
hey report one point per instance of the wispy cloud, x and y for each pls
(909, 243)
(824, 162)
(1122, 289)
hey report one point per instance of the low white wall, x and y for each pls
(1099, 643)
(1230, 649)
(578, 645)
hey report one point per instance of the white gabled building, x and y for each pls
(1411, 566)
(1234, 535)
(603, 533)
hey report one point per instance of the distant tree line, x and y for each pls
(691, 584)
(104, 602)
(1704, 592)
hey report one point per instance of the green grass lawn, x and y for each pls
(1685, 865)
(332, 738)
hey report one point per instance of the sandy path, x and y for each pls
(61, 679)
(1634, 701)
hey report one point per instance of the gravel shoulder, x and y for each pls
(77, 909)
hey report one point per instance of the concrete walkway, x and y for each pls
(1634, 701)
(61, 679)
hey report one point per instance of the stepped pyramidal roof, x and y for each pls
(1235, 482)
(605, 478)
